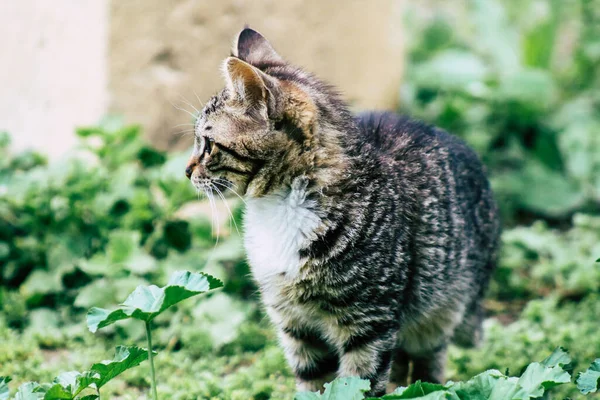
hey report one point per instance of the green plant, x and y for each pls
(103, 218)
(589, 380)
(147, 302)
(536, 380)
(78, 385)
(524, 99)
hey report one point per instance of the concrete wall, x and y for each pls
(53, 73)
(71, 61)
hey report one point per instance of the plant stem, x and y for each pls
(151, 359)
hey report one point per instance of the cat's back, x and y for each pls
(400, 137)
(434, 164)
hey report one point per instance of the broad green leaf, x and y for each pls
(99, 318)
(84, 380)
(146, 302)
(450, 69)
(531, 87)
(477, 388)
(420, 390)
(505, 388)
(67, 379)
(4, 387)
(121, 245)
(589, 380)
(89, 397)
(349, 388)
(537, 182)
(30, 391)
(58, 392)
(559, 357)
(124, 359)
(537, 378)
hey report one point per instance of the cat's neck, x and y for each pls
(276, 227)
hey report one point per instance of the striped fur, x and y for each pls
(372, 237)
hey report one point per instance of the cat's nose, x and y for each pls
(188, 171)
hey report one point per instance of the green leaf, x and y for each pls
(450, 70)
(84, 380)
(420, 389)
(146, 302)
(589, 380)
(99, 318)
(58, 392)
(479, 387)
(67, 379)
(537, 378)
(4, 387)
(505, 388)
(348, 388)
(125, 358)
(30, 391)
(559, 357)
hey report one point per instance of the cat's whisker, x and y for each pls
(189, 104)
(230, 184)
(215, 213)
(232, 191)
(187, 124)
(198, 98)
(184, 110)
(228, 209)
(184, 132)
(215, 217)
(223, 198)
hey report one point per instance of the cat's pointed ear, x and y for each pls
(253, 48)
(250, 86)
(244, 81)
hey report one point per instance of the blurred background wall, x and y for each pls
(71, 62)
(53, 73)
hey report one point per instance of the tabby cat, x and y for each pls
(372, 237)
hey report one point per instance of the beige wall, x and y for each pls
(68, 62)
(53, 73)
(167, 51)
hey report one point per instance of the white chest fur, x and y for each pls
(276, 227)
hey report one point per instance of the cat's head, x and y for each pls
(271, 123)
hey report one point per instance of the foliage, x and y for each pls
(537, 260)
(105, 218)
(526, 100)
(79, 385)
(147, 302)
(341, 388)
(517, 80)
(536, 380)
(589, 380)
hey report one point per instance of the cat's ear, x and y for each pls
(250, 86)
(253, 48)
(244, 81)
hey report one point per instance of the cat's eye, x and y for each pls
(208, 145)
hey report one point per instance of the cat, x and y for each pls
(372, 238)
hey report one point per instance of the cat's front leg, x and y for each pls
(314, 363)
(369, 359)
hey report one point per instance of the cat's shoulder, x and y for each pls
(392, 133)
